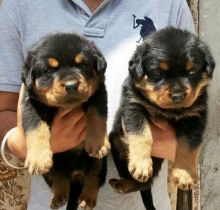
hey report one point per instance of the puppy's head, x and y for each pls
(63, 69)
(171, 68)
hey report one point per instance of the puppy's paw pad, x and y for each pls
(118, 186)
(141, 170)
(39, 164)
(58, 201)
(182, 179)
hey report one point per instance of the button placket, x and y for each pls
(92, 28)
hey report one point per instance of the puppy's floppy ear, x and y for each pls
(209, 64)
(27, 73)
(100, 62)
(27, 78)
(135, 68)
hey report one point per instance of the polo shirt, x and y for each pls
(117, 27)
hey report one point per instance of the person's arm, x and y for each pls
(68, 128)
(8, 107)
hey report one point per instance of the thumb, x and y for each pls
(19, 107)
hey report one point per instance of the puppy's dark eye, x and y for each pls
(192, 71)
(82, 65)
(48, 70)
(156, 76)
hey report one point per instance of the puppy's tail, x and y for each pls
(147, 199)
(75, 190)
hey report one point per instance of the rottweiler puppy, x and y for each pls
(62, 71)
(168, 78)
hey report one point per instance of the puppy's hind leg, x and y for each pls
(60, 189)
(94, 178)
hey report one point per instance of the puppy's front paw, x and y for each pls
(182, 179)
(141, 170)
(39, 162)
(98, 151)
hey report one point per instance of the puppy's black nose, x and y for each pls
(178, 97)
(71, 86)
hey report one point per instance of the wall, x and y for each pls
(209, 27)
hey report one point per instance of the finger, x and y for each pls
(79, 124)
(21, 92)
(164, 125)
(68, 111)
(82, 136)
(19, 107)
(71, 117)
(64, 111)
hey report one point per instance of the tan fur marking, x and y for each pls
(162, 97)
(39, 154)
(79, 58)
(164, 66)
(53, 62)
(56, 94)
(87, 88)
(96, 143)
(185, 165)
(192, 95)
(139, 154)
(189, 66)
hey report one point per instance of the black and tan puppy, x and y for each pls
(66, 71)
(168, 77)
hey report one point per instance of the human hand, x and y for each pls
(67, 131)
(164, 140)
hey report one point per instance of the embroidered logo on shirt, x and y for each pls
(147, 26)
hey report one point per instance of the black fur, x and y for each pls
(35, 108)
(175, 47)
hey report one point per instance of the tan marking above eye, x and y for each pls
(164, 66)
(189, 65)
(53, 62)
(79, 58)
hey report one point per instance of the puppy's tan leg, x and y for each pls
(97, 144)
(39, 154)
(60, 189)
(88, 197)
(139, 154)
(185, 166)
